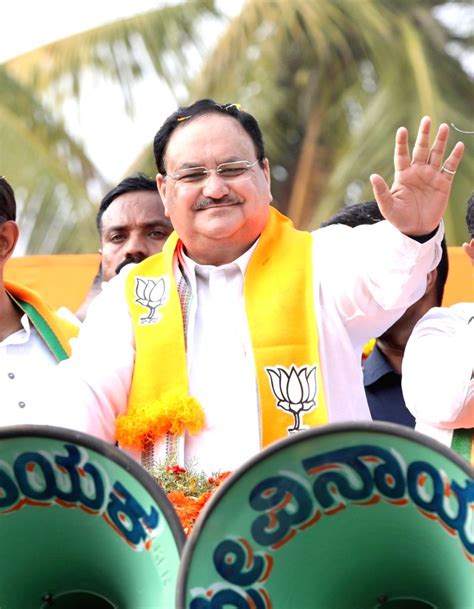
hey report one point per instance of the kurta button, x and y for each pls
(11, 375)
(21, 404)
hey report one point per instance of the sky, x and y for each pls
(102, 120)
(27, 24)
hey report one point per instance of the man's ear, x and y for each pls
(8, 238)
(431, 280)
(268, 177)
(266, 171)
(161, 185)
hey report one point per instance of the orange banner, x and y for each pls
(64, 280)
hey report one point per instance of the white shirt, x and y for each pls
(219, 341)
(364, 279)
(24, 361)
(438, 370)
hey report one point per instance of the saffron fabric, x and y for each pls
(54, 330)
(364, 278)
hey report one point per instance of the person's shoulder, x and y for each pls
(463, 310)
(459, 312)
(380, 229)
(457, 319)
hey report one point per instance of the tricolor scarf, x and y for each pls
(55, 331)
(279, 300)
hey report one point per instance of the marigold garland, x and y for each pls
(188, 508)
(187, 490)
(152, 420)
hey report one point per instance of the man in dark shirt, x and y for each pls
(382, 368)
(383, 389)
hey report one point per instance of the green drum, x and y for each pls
(82, 526)
(348, 516)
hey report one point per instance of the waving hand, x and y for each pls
(420, 191)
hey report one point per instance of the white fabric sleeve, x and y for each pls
(372, 273)
(437, 369)
(69, 316)
(445, 436)
(90, 389)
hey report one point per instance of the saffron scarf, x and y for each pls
(279, 301)
(55, 331)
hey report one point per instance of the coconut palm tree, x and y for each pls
(48, 170)
(54, 180)
(329, 81)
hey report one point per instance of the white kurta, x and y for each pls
(364, 279)
(438, 370)
(25, 359)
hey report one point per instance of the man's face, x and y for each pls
(215, 217)
(134, 227)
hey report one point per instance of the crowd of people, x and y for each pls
(214, 328)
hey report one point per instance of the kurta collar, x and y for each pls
(19, 337)
(190, 268)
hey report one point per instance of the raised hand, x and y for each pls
(420, 191)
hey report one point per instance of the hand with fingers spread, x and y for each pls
(420, 191)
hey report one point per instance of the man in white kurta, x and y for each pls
(363, 280)
(32, 337)
(438, 371)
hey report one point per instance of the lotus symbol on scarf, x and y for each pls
(150, 293)
(295, 391)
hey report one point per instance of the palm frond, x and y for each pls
(124, 51)
(48, 170)
(330, 82)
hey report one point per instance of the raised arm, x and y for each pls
(417, 200)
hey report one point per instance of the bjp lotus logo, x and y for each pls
(151, 294)
(295, 391)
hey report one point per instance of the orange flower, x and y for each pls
(189, 507)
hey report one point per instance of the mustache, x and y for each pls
(129, 260)
(204, 202)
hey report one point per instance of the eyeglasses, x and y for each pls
(226, 171)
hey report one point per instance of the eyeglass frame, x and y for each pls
(206, 172)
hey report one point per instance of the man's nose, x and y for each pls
(136, 246)
(214, 186)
